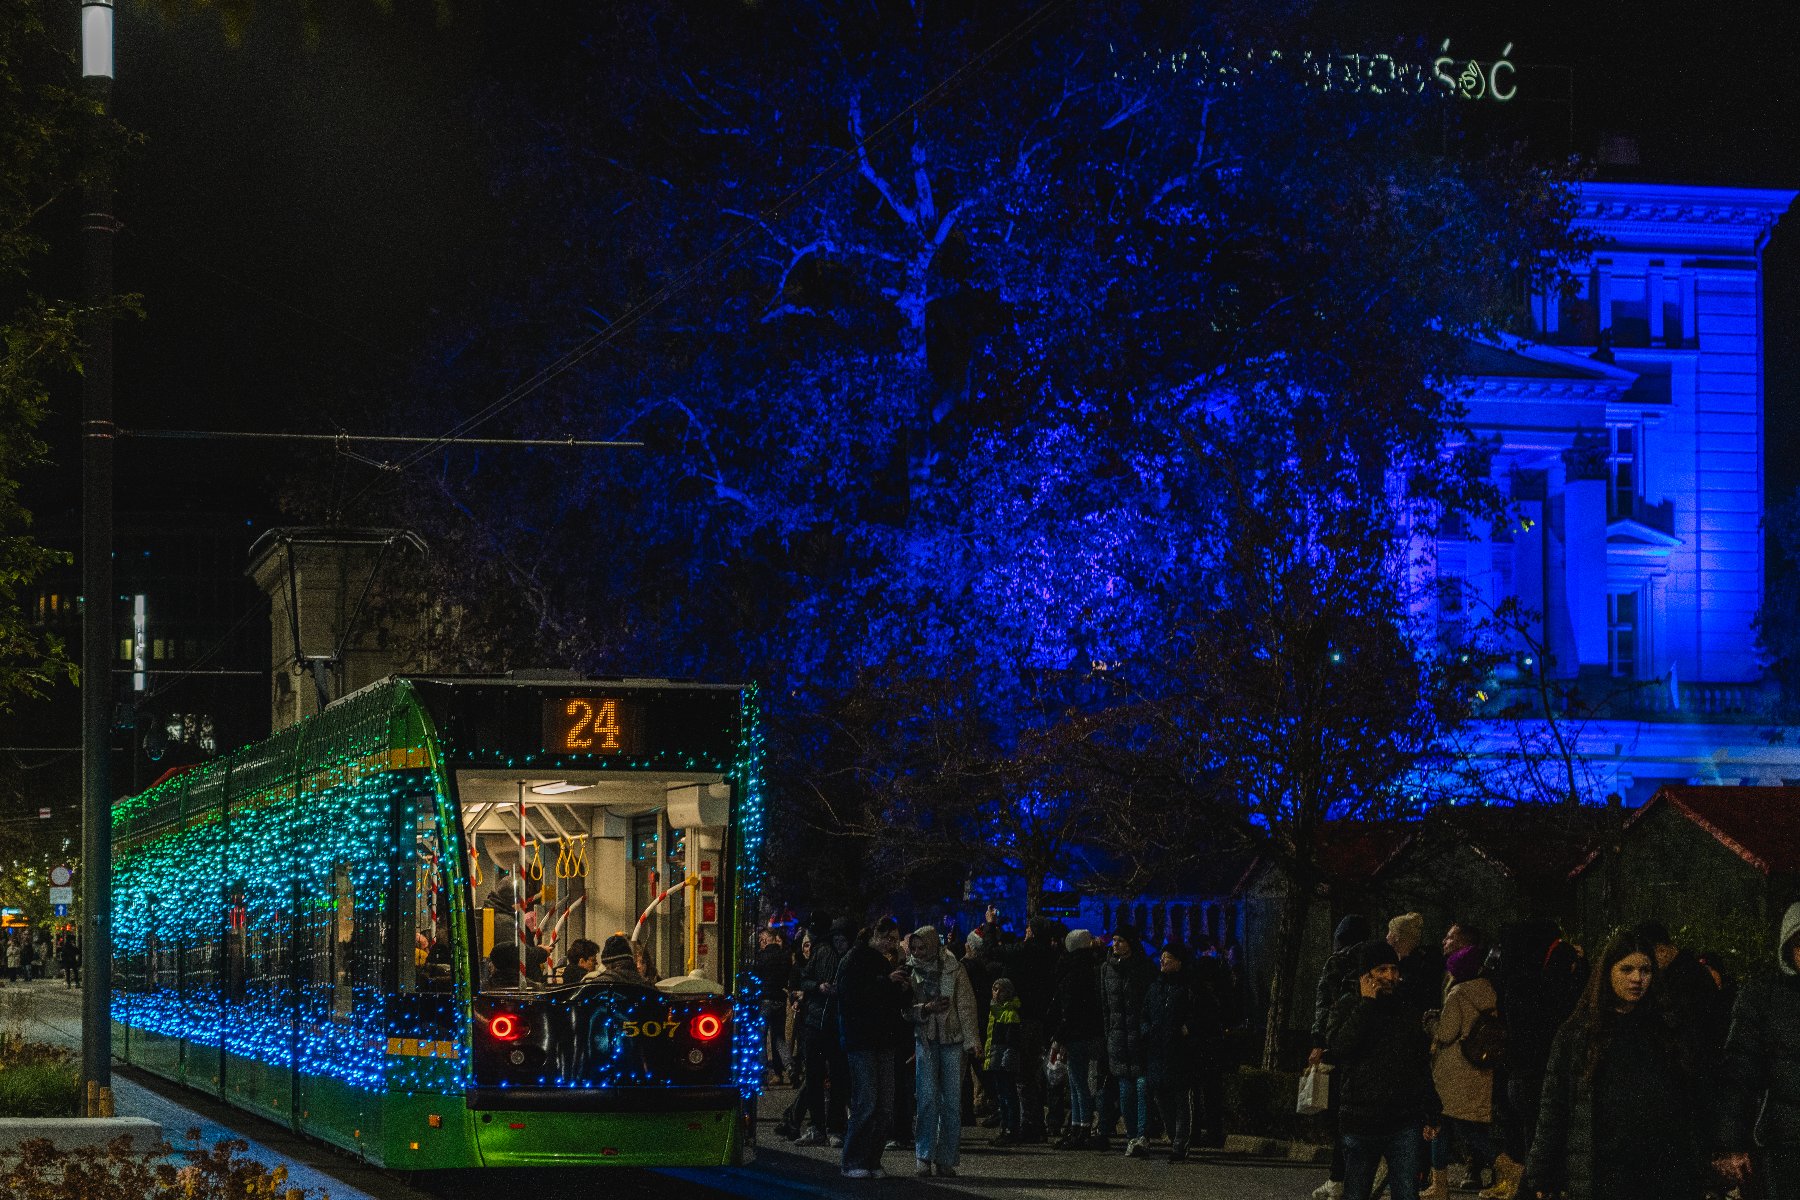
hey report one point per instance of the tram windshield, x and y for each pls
(596, 878)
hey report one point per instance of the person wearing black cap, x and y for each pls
(618, 965)
(1382, 1072)
(1336, 980)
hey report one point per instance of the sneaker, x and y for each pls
(877, 1173)
(989, 1122)
(811, 1137)
(857, 1173)
(923, 1170)
(946, 1172)
(1075, 1139)
(835, 1141)
(1004, 1139)
(1331, 1189)
(1137, 1147)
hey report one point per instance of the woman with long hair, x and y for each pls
(1622, 1111)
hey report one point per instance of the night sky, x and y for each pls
(311, 206)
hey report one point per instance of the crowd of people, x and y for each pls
(1519, 1067)
(25, 956)
(1643, 1073)
(1055, 1036)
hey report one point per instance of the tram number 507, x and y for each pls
(585, 725)
(651, 1029)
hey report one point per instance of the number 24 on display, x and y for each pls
(594, 719)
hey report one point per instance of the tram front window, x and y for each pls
(566, 866)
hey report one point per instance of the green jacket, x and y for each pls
(1002, 1033)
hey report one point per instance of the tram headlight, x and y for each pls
(706, 1027)
(505, 1027)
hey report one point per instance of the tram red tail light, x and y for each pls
(505, 1027)
(706, 1027)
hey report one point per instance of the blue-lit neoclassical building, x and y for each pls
(1628, 431)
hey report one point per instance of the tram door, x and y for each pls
(647, 871)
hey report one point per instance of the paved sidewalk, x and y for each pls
(57, 1020)
(781, 1171)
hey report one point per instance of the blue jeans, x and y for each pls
(1362, 1152)
(937, 1081)
(1134, 1105)
(1080, 1056)
(871, 1108)
(1471, 1136)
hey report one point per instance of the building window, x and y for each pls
(1622, 472)
(1622, 609)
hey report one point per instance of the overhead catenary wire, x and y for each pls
(568, 360)
(568, 443)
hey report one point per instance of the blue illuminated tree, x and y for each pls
(937, 438)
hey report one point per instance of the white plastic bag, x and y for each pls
(1315, 1090)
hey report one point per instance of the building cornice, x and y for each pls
(1507, 387)
(1646, 214)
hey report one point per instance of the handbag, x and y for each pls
(1315, 1090)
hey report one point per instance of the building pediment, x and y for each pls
(1629, 534)
(1508, 367)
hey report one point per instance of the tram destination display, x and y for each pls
(591, 725)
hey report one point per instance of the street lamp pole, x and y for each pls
(97, 632)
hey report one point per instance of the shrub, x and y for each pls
(1261, 1104)
(42, 1172)
(38, 1081)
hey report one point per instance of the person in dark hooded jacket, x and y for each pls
(819, 1114)
(1077, 1025)
(1337, 979)
(1123, 982)
(1171, 1014)
(1761, 1101)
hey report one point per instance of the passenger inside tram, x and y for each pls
(603, 878)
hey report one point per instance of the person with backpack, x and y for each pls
(1466, 1042)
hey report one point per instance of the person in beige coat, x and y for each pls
(944, 1031)
(1465, 1090)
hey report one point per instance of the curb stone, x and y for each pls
(78, 1133)
(1263, 1147)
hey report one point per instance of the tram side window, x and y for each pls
(161, 948)
(237, 964)
(342, 934)
(425, 958)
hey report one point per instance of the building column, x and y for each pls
(1530, 551)
(1653, 301)
(1584, 547)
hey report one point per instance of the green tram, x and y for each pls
(355, 928)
